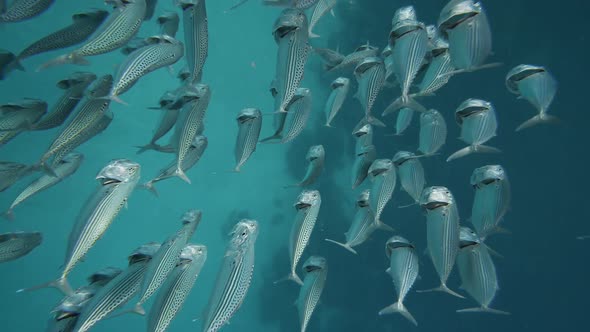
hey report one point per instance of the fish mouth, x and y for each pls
(313, 158)
(490, 181)
(454, 21)
(466, 244)
(311, 268)
(526, 73)
(396, 34)
(66, 315)
(438, 51)
(284, 30)
(302, 205)
(108, 181)
(434, 205)
(396, 244)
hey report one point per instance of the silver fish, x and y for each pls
(11, 172)
(442, 232)
(359, 54)
(315, 271)
(299, 110)
(478, 273)
(121, 25)
(329, 57)
(66, 167)
(320, 9)
(177, 287)
(403, 269)
(168, 23)
(249, 125)
(364, 137)
(438, 71)
(383, 180)
(234, 277)
(74, 87)
(193, 155)
(537, 86)
(433, 132)
(117, 181)
(403, 120)
(196, 36)
(411, 173)
(20, 10)
(478, 123)
(21, 115)
(492, 198)
(150, 9)
(84, 24)
(315, 158)
(340, 87)
(18, 244)
(308, 207)
(370, 75)
(118, 291)
(363, 160)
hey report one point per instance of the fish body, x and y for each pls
(340, 87)
(249, 125)
(433, 132)
(363, 160)
(20, 10)
(492, 198)
(437, 73)
(234, 277)
(321, 8)
(411, 173)
(196, 36)
(370, 75)
(168, 23)
(299, 110)
(21, 115)
(403, 120)
(10, 172)
(18, 244)
(383, 180)
(315, 158)
(315, 270)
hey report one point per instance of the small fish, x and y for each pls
(477, 272)
(433, 132)
(315, 271)
(329, 57)
(66, 167)
(478, 123)
(322, 7)
(362, 162)
(315, 158)
(438, 71)
(340, 87)
(403, 120)
(383, 180)
(7, 63)
(11, 172)
(174, 291)
(298, 112)
(74, 87)
(370, 75)
(234, 277)
(308, 207)
(364, 137)
(403, 269)
(249, 125)
(492, 198)
(538, 86)
(121, 25)
(20, 10)
(18, 244)
(168, 23)
(150, 9)
(193, 155)
(442, 232)
(359, 54)
(21, 115)
(411, 173)
(196, 36)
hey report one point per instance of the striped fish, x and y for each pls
(84, 24)
(403, 269)
(160, 51)
(193, 155)
(364, 137)
(299, 110)
(433, 132)
(492, 198)
(322, 7)
(18, 244)
(118, 291)
(117, 181)
(189, 125)
(359, 54)
(315, 158)
(363, 160)
(340, 87)
(538, 86)
(21, 115)
(370, 75)
(387, 56)
(438, 71)
(121, 25)
(403, 120)
(20, 10)
(11, 172)
(290, 33)
(478, 273)
(308, 207)
(196, 36)
(234, 277)
(442, 232)
(411, 173)
(67, 166)
(478, 123)
(383, 180)
(249, 125)
(177, 287)
(315, 271)
(168, 23)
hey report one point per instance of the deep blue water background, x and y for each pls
(543, 275)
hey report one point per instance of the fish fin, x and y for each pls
(388, 270)
(292, 276)
(383, 226)
(343, 245)
(116, 99)
(398, 307)
(583, 237)
(180, 173)
(150, 187)
(538, 119)
(42, 165)
(271, 138)
(71, 58)
(9, 215)
(332, 12)
(313, 35)
(137, 309)
(493, 252)
(15, 64)
(149, 146)
(461, 153)
(375, 122)
(407, 205)
(61, 284)
(442, 288)
(484, 309)
(471, 70)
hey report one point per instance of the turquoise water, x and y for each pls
(543, 274)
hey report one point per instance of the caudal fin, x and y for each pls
(442, 288)
(9, 214)
(71, 58)
(398, 307)
(484, 309)
(407, 102)
(149, 146)
(180, 173)
(137, 309)
(150, 187)
(276, 138)
(61, 284)
(471, 70)
(42, 166)
(538, 119)
(313, 35)
(343, 245)
(292, 276)
(472, 149)
(383, 226)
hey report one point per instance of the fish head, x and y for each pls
(470, 107)
(380, 166)
(119, 170)
(161, 39)
(103, 276)
(396, 242)
(468, 237)
(366, 47)
(76, 79)
(167, 99)
(144, 253)
(193, 252)
(245, 231)
(289, 21)
(191, 216)
(387, 51)
(457, 12)
(366, 64)
(401, 157)
(301, 93)
(94, 15)
(439, 46)
(403, 28)
(315, 152)
(435, 197)
(367, 129)
(200, 142)
(520, 73)
(363, 199)
(482, 176)
(307, 198)
(184, 74)
(69, 308)
(430, 115)
(368, 152)
(202, 90)
(340, 82)
(248, 114)
(72, 158)
(166, 17)
(314, 263)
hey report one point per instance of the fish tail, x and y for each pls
(292, 276)
(485, 309)
(137, 309)
(313, 35)
(272, 139)
(343, 245)
(42, 166)
(150, 187)
(180, 173)
(72, 58)
(394, 106)
(461, 153)
(149, 146)
(398, 307)
(383, 226)
(442, 288)
(538, 119)
(374, 121)
(61, 284)
(9, 214)
(116, 99)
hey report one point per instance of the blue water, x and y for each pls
(543, 274)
